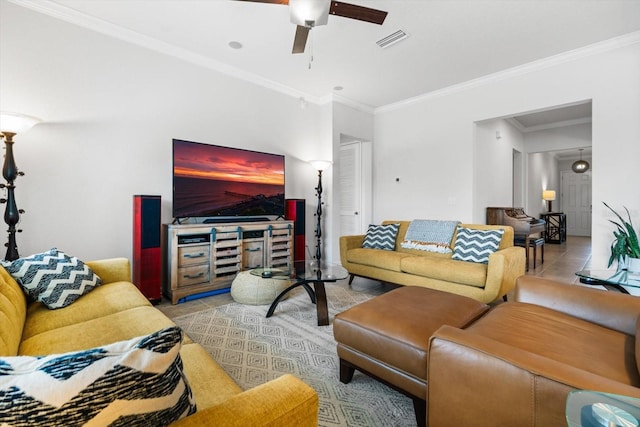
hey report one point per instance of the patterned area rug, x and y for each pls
(253, 350)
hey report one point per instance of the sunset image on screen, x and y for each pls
(227, 164)
(211, 180)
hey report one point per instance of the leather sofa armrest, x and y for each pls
(504, 267)
(112, 269)
(285, 401)
(349, 242)
(612, 310)
(473, 378)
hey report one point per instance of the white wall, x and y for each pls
(110, 111)
(542, 174)
(430, 141)
(357, 124)
(495, 141)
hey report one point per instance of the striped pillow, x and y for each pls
(476, 245)
(139, 382)
(53, 277)
(381, 237)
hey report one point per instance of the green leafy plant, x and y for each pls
(625, 243)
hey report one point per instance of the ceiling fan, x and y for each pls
(307, 14)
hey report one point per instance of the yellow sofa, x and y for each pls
(117, 311)
(483, 282)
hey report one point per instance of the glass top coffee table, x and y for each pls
(610, 279)
(593, 408)
(303, 274)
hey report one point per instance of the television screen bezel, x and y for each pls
(222, 217)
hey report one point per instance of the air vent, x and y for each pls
(392, 39)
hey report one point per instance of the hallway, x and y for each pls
(561, 262)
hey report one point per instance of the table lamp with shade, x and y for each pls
(549, 196)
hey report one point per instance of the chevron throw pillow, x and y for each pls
(139, 382)
(53, 277)
(381, 237)
(476, 245)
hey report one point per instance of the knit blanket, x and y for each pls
(430, 235)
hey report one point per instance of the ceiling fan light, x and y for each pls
(309, 13)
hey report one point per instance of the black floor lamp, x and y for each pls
(319, 165)
(10, 125)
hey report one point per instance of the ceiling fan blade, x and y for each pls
(268, 1)
(300, 40)
(361, 13)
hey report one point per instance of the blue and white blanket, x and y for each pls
(430, 235)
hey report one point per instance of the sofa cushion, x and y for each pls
(381, 237)
(465, 273)
(562, 338)
(13, 309)
(135, 382)
(107, 329)
(53, 277)
(388, 260)
(202, 371)
(476, 245)
(104, 300)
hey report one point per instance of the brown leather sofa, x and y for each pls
(516, 364)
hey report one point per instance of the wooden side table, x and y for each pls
(555, 230)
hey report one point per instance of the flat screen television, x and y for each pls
(215, 181)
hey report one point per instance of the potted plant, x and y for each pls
(625, 246)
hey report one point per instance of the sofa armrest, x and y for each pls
(349, 242)
(472, 378)
(112, 269)
(612, 310)
(504, 267)
(285, 401)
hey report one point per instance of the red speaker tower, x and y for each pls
(147, 254)
(295, 211)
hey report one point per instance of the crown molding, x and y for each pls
(72, 16)
(334, 98)
(583, 52)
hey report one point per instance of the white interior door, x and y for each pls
(354, 183)
(576, 202)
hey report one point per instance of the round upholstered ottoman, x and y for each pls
(252, 289)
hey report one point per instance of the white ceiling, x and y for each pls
(449, 42)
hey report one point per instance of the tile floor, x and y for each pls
(560, 263)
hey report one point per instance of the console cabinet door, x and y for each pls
(253, 254)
